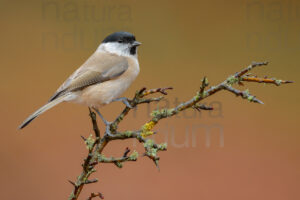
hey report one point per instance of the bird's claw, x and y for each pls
(107, 129)
(125, 101)
(107, 123)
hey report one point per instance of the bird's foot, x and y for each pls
(124, 100)
(107, 123)
(107, 129)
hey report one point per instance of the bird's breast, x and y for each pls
(103, 93)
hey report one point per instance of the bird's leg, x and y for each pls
(124, 100)
(107, 123)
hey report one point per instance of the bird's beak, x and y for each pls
(136, 43)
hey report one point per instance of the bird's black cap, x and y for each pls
(120, 37)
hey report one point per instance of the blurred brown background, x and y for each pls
(240, 151)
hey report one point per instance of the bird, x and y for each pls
(101, 79)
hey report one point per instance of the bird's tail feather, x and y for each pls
(42, 110)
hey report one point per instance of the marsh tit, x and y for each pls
(103, 78)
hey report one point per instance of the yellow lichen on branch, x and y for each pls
(147, 129)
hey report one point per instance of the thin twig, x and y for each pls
(265, 80)
(93, 195)
(95, 125)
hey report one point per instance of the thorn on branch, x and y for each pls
(156, 164)
(127, 150)
(93, 195)
(142, 90)
(72, 183)
(204, 85)
(91, 181)
(155, 159)
(84, 139)
(200, 107)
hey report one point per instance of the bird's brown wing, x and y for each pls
(100, 67)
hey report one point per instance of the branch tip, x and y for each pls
(203, 85)
(93, 195)
(72, 183)
(84, 139)
(254, 64)
(142, 90)
(163, 90)
(91, 181)
(274, 81)
(202, 107)
(127, 150)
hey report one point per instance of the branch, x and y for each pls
(139, 99)
(118, 161)
(244, 94)
(96, 146)
(274, 81)
(95, 125)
